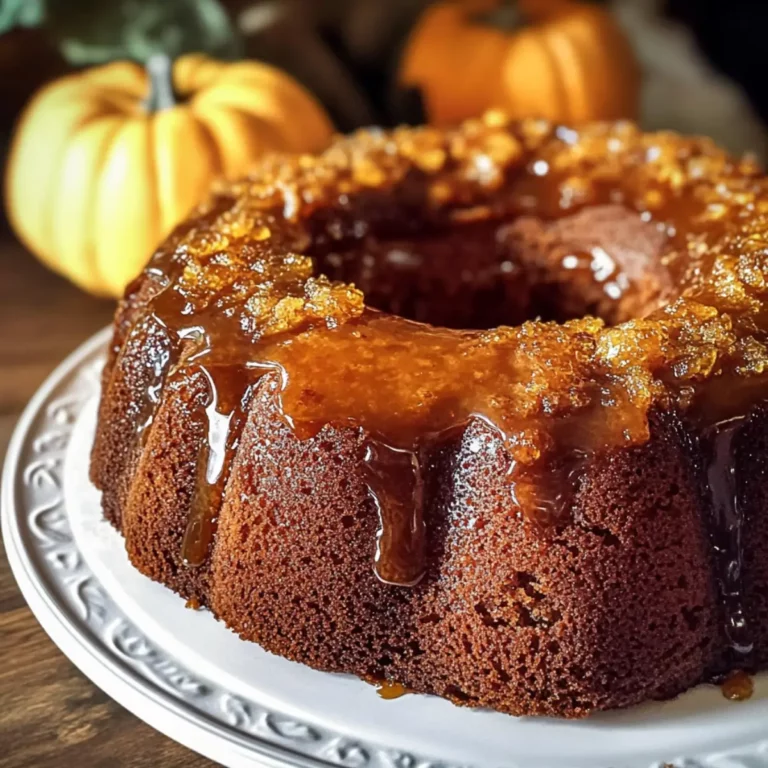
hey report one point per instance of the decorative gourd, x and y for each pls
(564, 60)
(105, 162)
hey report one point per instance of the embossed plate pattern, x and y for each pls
(187, 676)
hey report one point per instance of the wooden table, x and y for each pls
(50, 714)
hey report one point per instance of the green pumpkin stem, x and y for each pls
(505, 17)
(161, 94)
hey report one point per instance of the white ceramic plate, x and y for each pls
(189, 677)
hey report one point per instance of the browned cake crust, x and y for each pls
(597, 578)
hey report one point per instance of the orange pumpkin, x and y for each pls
(106, 161)
(560, 59)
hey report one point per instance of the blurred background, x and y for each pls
(92, 200)
(112, 125)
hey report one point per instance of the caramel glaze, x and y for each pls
(389, 690)
(738, 686)
(253, 286)
(726, 530)
(229, 392)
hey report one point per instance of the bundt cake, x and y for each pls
(476, 411)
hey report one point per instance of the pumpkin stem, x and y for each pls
(161, 94)
(505, 17)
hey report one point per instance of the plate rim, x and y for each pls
(142, 695)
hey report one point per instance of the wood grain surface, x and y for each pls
(50, 714)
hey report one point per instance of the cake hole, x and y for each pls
(603, 261)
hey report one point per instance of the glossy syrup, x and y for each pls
(727, 530)
(228, 395)
(737, 686)
(396, 486)
(161, 358)
(389, 690)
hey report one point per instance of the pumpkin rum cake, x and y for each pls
(477, 412)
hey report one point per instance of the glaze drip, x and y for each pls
(388, 690)
(160, 357)
(545, 494)
(396, 487)
(727, 530)
(228, 397)
(738, 686)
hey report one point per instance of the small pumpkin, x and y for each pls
(565, 60)
(105, 162)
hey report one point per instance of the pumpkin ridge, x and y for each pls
(185, 74)
(205, 73)
(104, 265)
(178, 136)
(46, 223)
(301, 103)
(261, 134)
(210, 137)
(563, 92)
(88, 275)
(262, 110)
(256, 112)
(127, 77)
(617, 49)
(591, 59)
(150, 158)
(91, 253)
(33, 225)
(574, 75)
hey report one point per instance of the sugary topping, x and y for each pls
(252, 262)
(252, 281)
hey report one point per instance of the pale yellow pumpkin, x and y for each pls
(104, 163)
(565, 60)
